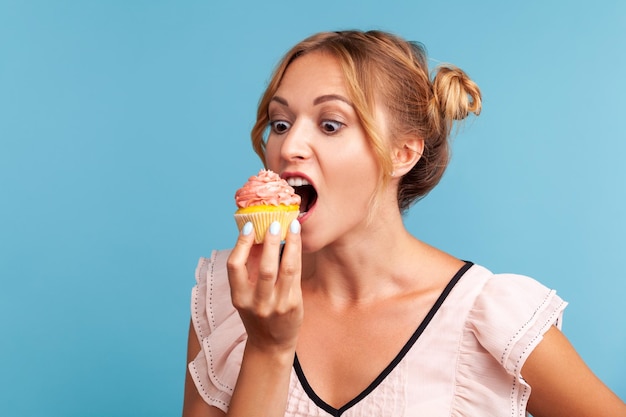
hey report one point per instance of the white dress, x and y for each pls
(464, 359)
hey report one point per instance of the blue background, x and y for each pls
(124, 131)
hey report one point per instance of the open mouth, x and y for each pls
(306, 191)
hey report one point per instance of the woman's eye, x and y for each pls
(331, 126)
(279, 126)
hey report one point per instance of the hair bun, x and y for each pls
(456, 95)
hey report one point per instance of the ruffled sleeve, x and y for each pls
(219, 330)
(508, 319)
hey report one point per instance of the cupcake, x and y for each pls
(264, 199)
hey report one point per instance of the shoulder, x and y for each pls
(504, 317)
(219, 331)
(210, 300)
(510, 314)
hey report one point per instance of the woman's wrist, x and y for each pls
(276, 355)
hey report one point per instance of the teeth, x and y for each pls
(297, 181)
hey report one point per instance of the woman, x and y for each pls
(354, 316)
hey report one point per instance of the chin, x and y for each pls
(308, 249)
(310, 244)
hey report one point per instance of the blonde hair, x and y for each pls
(380, 66)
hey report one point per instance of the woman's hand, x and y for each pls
(265, 288)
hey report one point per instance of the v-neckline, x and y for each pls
(392, 365)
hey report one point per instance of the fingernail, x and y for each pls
(247, 229)
(275, 228)
(294, 227)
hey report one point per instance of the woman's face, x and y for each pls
(316, 138)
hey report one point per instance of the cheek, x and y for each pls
(272, 153)
(357, 176)
(367, 164)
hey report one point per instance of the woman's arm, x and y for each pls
(562, 384)
(263, 379)
(265, 290)
(193, 404)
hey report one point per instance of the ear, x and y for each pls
(406, 153)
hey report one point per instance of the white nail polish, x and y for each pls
(247, 229)
(275, 228)
(294, 227)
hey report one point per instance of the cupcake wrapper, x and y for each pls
(262, 221)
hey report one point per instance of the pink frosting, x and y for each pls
(267, 188)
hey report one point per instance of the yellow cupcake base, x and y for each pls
(261, 221)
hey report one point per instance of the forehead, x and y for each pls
(313, 73)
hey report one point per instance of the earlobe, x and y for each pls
(406, 155)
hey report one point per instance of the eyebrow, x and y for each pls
(318, 100)
(331, 97)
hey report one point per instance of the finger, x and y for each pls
(268, 264)
(236, 263)
(290, 270)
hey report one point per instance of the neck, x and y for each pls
(371, 263)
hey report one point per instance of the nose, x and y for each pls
(296, 143)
